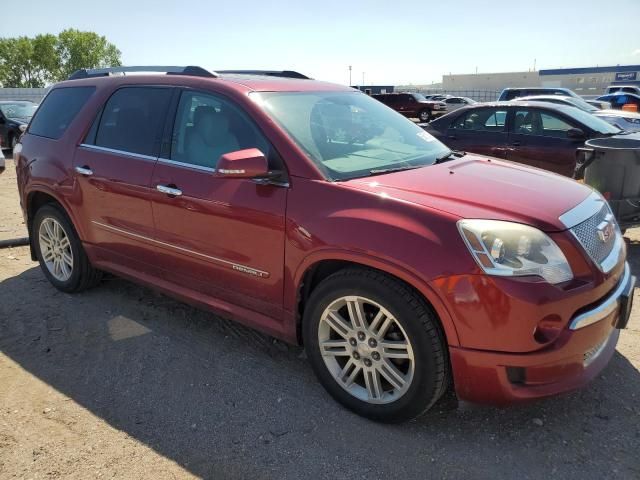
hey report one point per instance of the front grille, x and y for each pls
(587, 234)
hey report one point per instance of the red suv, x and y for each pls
(413, 105)
(318, 215)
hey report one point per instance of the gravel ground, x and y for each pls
(123, 382)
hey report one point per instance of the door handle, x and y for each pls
(516, 144)
(171, 191)
(86, 171)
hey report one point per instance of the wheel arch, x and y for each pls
(37, 198)
(315, 269)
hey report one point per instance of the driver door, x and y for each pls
(222, 237)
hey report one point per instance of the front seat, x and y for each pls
(210, 137)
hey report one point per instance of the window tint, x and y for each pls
(535, 122)
(58, 110)
(132, 120)
(208, 126)
(486, 119)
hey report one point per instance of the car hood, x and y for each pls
(480, 187)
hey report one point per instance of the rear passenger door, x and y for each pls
(480, 130)
(222, 237)
(539, 138)
(113, 168)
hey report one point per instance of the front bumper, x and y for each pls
(576, 356)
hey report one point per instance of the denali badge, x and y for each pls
(606, 229)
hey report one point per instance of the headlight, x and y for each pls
(512, 249)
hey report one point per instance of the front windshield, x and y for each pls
(593, 122)
(349, 134)
(18, 110)
(419, 97)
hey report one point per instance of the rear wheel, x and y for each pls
(375, 345)
(60, 252)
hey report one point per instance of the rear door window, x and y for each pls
(58, 110)
(132, 120)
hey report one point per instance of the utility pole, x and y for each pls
(363, 79)
(349, 75)
(534, 64)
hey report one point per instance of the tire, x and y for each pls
(13, 141)
(78, 276)
(414, 330)
(424, 115)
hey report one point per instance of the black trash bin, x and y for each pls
(611, 165)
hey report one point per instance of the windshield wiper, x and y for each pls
(381, 171)
(450, 156)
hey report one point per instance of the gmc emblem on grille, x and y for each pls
(606, 229)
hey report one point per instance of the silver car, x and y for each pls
(627, 121)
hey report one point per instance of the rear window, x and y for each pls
(58, 110)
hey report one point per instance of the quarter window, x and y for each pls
(132, 120)
(208, 126)
(58, 110)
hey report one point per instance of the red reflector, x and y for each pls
(606, 195)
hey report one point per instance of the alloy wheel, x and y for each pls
(366, 350)
(55, 248)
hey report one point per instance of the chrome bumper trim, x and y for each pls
(608, 305)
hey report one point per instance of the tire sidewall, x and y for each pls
(424, 388)
(49, 211)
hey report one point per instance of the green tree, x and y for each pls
(78, 50)
(44, 59)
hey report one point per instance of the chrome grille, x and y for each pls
(587, 234)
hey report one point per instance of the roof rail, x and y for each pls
(268, 73)
(105, 72)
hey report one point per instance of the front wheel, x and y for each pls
(375, 345)
(424, 115)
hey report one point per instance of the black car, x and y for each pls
(539, 134)
(14, 113)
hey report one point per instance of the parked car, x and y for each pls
(2, 160)
(618, 100)
(412, 105)
(627, 121)
(318, 215)
(598, 104)
(635, 89)
(12, 115)
(539, 134)
(440, 97)
(454, 103)
(513, 93)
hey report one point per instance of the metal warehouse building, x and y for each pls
(588, 81)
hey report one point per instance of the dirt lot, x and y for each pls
(121, 382)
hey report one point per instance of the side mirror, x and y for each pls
(249, 163)
(575, 134)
